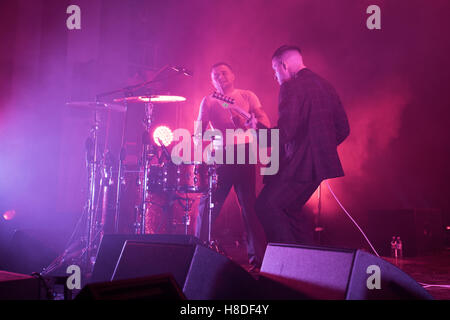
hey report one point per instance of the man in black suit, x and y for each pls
(312, 123)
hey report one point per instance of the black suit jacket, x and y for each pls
(312, 123)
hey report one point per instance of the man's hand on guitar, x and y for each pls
(252, 123)
(238, 120)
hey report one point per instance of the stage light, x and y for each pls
(9, 215)
(164, 134)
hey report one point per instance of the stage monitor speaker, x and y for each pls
(15, 286)
(202, 273)
(159, 287)
(337, 274)
(111, 246)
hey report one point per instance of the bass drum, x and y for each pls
(166, 199)
(157, 202)
(158, 213)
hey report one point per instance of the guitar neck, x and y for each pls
(229, 103)
(247, 116)
(241, 112)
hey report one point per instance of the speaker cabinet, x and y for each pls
(329, 273)
(202, 273)
(111, 246)
(160, 287)
(15, 286)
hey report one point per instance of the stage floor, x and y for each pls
(433, 269)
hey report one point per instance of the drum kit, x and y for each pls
(157, 183)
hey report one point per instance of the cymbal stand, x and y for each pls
(92, 164)
(120, 180)
(140, 225)
(105, 224)
(82, 250)
(212, 173)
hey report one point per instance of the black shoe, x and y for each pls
(255, 262)
(252, 268)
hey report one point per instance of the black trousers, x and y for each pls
(242, 177)
(279, 208)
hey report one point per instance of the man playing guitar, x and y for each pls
(217, 113)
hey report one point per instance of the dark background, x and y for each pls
(394, 84)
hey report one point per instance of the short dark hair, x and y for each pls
(283, 49)
(218, 64)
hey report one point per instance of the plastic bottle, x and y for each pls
(399, 248)
(393, 247)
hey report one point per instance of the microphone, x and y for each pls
(184, 71)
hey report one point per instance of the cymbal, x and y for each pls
(153, 98)
(96, 106)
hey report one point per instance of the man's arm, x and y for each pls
(341, 123)
(256, 108)
(329, 125)
(289, 115)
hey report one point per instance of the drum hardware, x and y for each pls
(147, 154)
(82, 251)
(136, 224)
(120, 182)
(100, 180)
(127, 92)
(92, 162)
(187, 206)
(75, 248)
(96, 106)
(212, 171)
(106, 183)
(120, 178)
(146, 158)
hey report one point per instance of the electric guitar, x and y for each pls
(228, 103)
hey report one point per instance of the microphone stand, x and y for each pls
(130, 89)
(318, 228)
